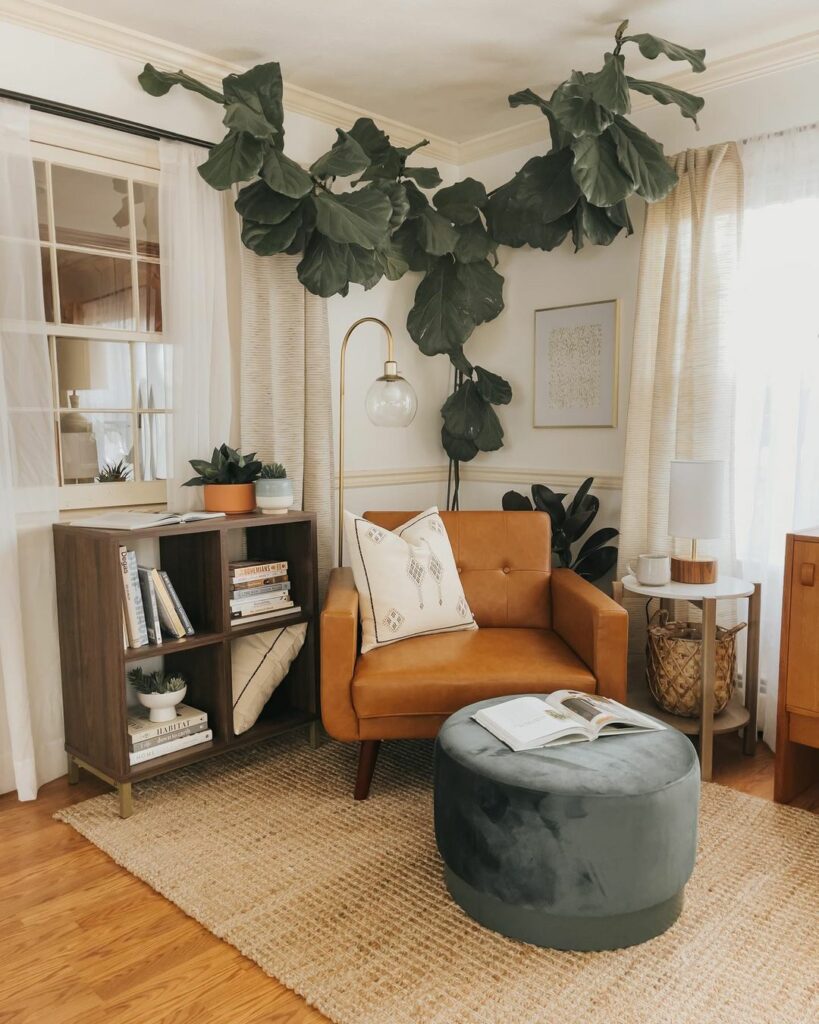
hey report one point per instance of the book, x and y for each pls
(263, 581)
(157, 741)
(251, 593)
(243, 603)
(566, 716)
(250, 570)
(146, 586)
(132, 597)
(261, 606)
(140, 756)
(168, 615)
(141, 728)
(263, 616)
(180, 611)
(133, 519)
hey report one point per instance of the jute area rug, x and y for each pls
(344, 902)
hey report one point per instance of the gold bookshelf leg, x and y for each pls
(315, 736)
(126, 802)
(73, 771)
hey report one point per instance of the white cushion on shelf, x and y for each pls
(407, 580)
(259, 662)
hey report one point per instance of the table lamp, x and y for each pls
(695, 512)
(390, 402)
(79, 368)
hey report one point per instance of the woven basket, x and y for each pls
(674, 666)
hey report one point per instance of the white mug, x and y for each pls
(652, 570)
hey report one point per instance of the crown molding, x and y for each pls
(720, 74)
(142, 48)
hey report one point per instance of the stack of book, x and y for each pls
(150, 605)
(259, 590)
(147, 740)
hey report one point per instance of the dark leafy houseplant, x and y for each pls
(385, 223)
(273, 471)
(114, 473)
(226, 466)
(156, 682)
(596, 556)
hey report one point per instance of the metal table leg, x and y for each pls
(752, 669)
(709, 671)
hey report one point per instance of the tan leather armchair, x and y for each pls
(540, 630)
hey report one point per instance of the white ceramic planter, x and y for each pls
(274, 496)
(162, 706)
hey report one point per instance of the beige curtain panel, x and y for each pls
(681, 395)
(286, 409)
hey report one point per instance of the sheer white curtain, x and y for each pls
(195, 315)
(776, 354)
(31, 726)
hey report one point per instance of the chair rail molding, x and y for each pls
(141, 48)
(478, 474)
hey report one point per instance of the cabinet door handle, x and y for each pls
(807, 573)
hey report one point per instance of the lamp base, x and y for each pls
(693, 570)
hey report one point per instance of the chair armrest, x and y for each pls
(595, 627)
(339, 650)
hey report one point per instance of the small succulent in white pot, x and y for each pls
(160, 692)
(274, 492)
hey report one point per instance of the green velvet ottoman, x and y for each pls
(584, 846)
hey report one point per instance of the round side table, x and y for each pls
(734, 717)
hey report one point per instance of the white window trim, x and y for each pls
(106, 151)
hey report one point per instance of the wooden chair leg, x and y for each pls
(367, 754)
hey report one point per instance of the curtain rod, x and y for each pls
(119, 124)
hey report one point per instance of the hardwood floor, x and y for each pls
(84, 942)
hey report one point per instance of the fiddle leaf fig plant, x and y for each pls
(363, 211)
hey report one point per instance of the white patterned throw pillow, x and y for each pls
(407, 580)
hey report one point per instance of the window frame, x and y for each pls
(99, 151)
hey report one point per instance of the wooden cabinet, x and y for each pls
(797, 732)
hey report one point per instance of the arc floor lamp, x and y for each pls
(391, 402)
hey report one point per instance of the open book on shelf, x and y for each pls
(566, 716)
(134, 519)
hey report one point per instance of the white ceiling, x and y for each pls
(447, 66)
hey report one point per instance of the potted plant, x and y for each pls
(227, 480)
(274, 492)
(160, 692)
(114, 473)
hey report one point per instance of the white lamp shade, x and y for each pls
(695, 499)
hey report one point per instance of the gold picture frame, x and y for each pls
(590, 403)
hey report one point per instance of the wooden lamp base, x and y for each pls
(693, 570)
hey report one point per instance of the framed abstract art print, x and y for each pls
(577, 354)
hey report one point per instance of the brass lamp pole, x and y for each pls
(391, 402)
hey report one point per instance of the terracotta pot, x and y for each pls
(233, 499)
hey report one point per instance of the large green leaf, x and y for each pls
(482, 290)
(284, 175)
(405, 240)
(362, 267)
(464, 412)
(528, 210)
(546, 500)
(258, 202)
(439, 321)
(374, 142)
(490, 438)
(267, 239)
(426, 177)
(619, 215)
(598, 172)
(396, 192)
(158, 83)
(653, 46)
(418, 202)
(361, 218)
(459, 449)
(389, 260)
(474, 243)
(461, 202)
(345, 158)
(324, 269)
(609, 87)
(493, 388)
(576, 108)
(643, 160)
(237, 157)
(514, 501)
(435, 233)
(594, 223)
(254, 101)
(598, 539)
(689, 105)
(526, 97)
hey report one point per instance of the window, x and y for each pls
(99, 236)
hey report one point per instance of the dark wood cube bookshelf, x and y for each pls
(196, 557)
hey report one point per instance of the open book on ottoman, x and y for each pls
(565, 716)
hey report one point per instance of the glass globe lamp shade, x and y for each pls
(391, 401)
